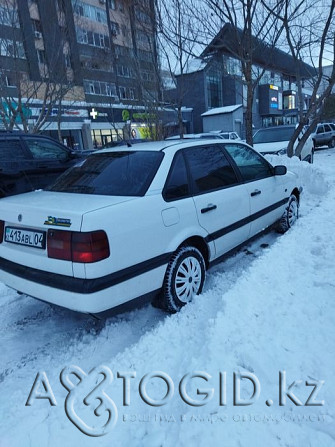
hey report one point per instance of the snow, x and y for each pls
(222, 110)
(267, 309)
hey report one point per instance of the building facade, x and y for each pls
(85, 69)
(218, 80)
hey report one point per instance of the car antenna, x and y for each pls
(128, 144)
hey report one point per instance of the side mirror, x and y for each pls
(280, 170)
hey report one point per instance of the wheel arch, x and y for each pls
(199, 243)
(296, 192)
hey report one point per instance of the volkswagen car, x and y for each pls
(143, 220)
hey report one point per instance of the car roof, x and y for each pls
(281, 126)
(165, 144)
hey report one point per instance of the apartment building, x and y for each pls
(88, 68)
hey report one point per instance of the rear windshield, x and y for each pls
(273, 134)
(113, 173)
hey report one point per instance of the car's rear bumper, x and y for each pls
(85, 295)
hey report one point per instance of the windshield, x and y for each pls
(113, 173)
(273, 134)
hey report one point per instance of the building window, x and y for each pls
(143, 37)
(115, 28)
(90, 12)
(126, 93)
(232, 66)
(123, 92)
(82, 36)
(145, 55)
(91, 38)
(124, 71)
(214, 89)
(9, 17)
(147, 76)
(290, 101)
(41, 57)
(11, 48)
(100, 88)
(36, 25)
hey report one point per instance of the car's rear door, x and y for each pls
(221, 200)
(267, 192)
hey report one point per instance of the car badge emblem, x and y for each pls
(19, 217)
(58, 221)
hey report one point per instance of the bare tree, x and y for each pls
(252, 32)
(178, 37)
(309, 35)
(22, 93)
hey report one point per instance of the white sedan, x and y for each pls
(148, 219)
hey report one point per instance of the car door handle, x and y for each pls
(256, 193)
(208, 208)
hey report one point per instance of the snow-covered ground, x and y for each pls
(265, 312)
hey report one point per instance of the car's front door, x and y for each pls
(267, 192)
(221, 199)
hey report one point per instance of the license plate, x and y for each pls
(29, 238)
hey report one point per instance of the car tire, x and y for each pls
(331, 143)
(184, 278)
(290, 215)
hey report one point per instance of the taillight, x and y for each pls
(59, 244)
(78, 247)
(89, 247)
(2, 228)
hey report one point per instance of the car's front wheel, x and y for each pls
(331, 143)
(184, 278)
(290, 215)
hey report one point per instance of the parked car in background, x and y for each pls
(274, 140)
(226, 135)
(29, 162)
(149, 219)
(324, 135)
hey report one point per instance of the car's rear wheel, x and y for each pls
(184, 278)
(290, 215)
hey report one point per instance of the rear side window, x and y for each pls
(209, 169)
(11, 150)
(176, 186)
(251, 165)
(112, 173)
(43, 149)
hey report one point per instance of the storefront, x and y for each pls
(271, 105)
